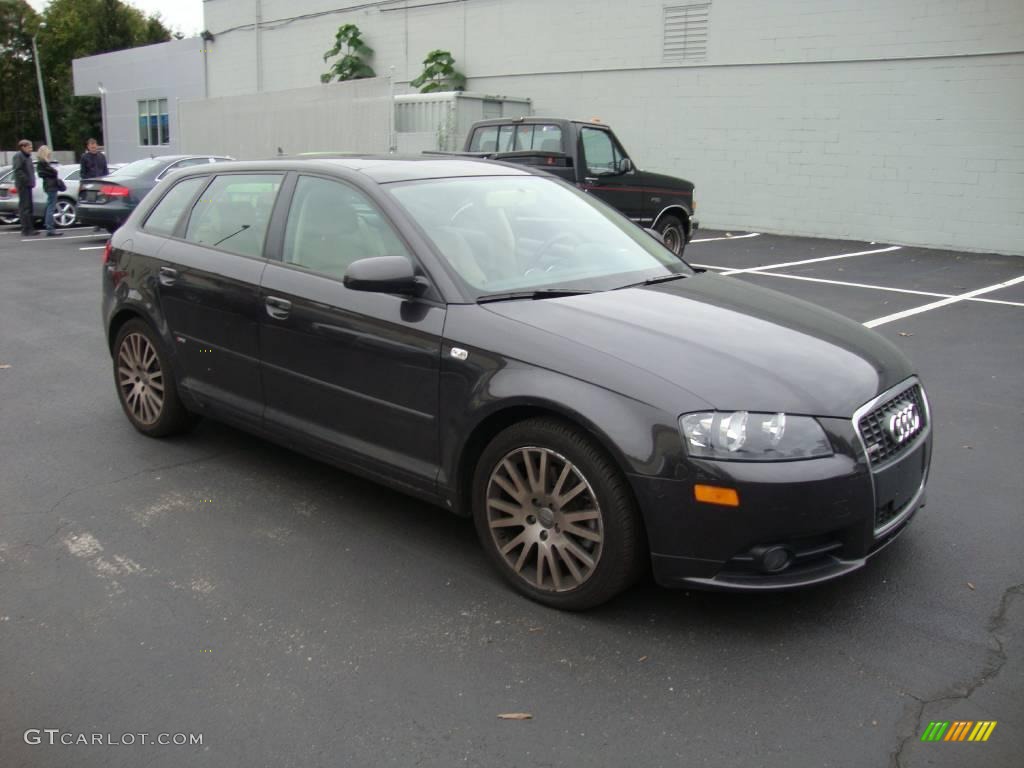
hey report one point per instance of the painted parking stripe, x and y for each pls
(812, 261)
(869, 286)
(733, 237)
(93, 248)
(40, 238)
(943, 303)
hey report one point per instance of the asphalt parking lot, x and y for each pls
(297, 616)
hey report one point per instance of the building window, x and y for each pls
(154, 125)
(685, 32)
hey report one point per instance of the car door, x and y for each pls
(601, 158)
(351, 375)
(209, 289)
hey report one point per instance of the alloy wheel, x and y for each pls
(140, 378)
(544, 519)
(64, 213)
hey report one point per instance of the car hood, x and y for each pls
(734, 345)
(668, 182)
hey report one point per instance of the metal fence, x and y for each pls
(354, 116)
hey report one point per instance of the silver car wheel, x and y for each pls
(544, 519)
(64, 214)
(140, 378)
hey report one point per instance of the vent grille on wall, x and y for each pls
(686, 32)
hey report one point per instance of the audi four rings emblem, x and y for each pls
(903, 422)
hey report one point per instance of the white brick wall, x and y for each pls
(879, 120)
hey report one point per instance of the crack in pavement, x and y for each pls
(995, 661)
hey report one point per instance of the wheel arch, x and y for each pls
(678, 211)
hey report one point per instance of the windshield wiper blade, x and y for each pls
(545, 293)
(658, 279)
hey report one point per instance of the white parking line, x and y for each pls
(944, 302)
(811, 261)
(93, 248)
(865, 285)
(732, 237)
(40, 238)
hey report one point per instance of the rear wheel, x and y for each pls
(555, 515)
(145, 383)
(673, 233)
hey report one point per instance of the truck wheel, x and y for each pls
(673, 233)
(555, 515)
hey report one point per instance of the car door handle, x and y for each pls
(278, 308)
(168, 276)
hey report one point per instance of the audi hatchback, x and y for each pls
(506, 346)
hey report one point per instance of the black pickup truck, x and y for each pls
(589, 155)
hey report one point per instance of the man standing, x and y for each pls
(94, 162)
(24, 181)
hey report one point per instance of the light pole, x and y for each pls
(42, 93)
(103, 117)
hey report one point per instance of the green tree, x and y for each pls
(353, 52)
(439, 74)
(77, 28)
(20, 115)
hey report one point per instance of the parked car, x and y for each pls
(589, 155)
(65, 211)
(504, 345)
(107, 202)
(7, 174)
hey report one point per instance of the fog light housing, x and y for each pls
(772, 559)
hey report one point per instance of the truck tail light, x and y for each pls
(112, 190)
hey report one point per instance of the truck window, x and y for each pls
(600, 153)
(541, 138)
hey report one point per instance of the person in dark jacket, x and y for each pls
(94, 162)
(51, 186)
(24, 181)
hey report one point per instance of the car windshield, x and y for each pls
(527, 233)
(146, 167)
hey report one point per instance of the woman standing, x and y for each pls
(51, 185)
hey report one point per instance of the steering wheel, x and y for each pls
(549, 244)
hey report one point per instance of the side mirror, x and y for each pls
(625, 165)
(384, 274)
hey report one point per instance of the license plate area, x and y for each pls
(897, 485)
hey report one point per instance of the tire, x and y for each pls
(141, 370)
(65, 213)
(673, 233)
(578, 512)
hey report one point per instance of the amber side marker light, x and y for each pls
(714, 494)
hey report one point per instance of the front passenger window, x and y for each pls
(234, 212)
(330, 225)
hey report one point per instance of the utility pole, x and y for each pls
(42, 93)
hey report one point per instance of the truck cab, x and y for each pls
(589, 155)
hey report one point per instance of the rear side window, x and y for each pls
(164, 218)
(517, 138)
(234, 212)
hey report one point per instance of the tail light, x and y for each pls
(106, 252)
(112, 190)
(12, 191)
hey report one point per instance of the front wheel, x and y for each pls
(555, 515)
(64, 213)
(145, 382)
(673, 233)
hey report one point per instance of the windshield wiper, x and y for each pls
(659, 279)
(545, 293)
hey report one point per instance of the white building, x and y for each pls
(888, 120)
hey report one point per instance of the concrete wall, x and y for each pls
(172, 71)
(340, 117)
(893, 120)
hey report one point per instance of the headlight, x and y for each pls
(744, 436)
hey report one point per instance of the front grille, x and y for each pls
(880, 443)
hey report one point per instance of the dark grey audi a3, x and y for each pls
(502, 344)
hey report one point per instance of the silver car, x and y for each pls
(66, 211)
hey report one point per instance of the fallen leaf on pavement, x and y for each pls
(643, 658)
(535, 629)
(904, 333)
(515, 716)
(5, 365)
(970, 585)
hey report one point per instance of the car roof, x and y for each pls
(540, 119)
(382, 169)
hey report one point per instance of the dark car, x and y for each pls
(590, 155)
(107, 202)
(504, 345)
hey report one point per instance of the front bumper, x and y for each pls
(831, 515)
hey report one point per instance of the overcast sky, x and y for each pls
(185, 16)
